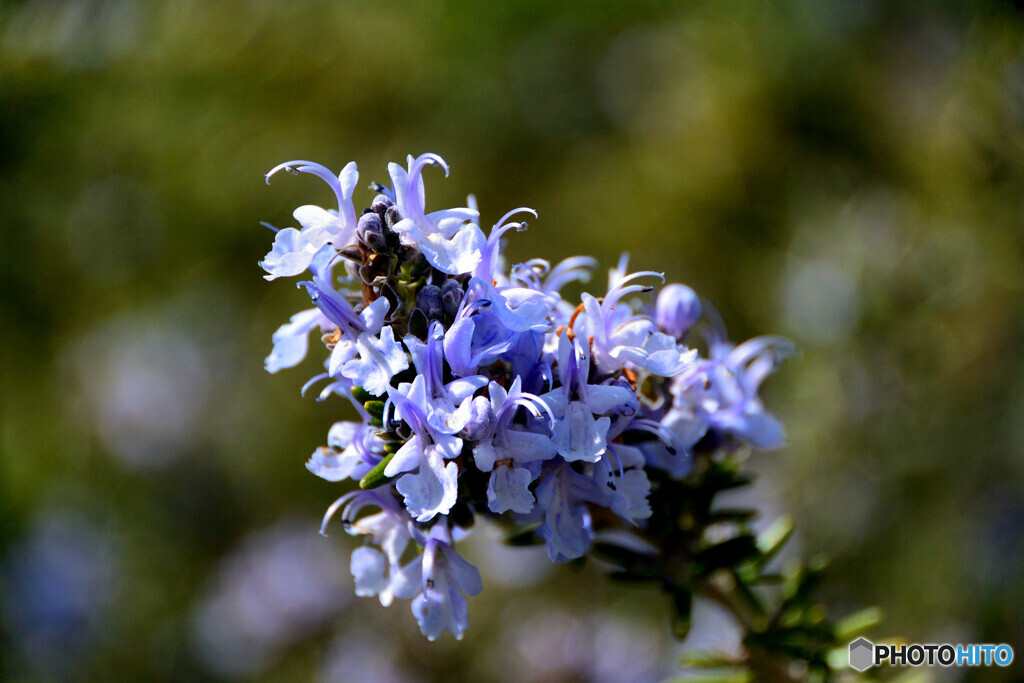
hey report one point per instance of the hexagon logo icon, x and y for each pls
(862, 654)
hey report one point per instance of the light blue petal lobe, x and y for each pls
(432, 490)
(509, 490)
(368, 569)
(466, 576)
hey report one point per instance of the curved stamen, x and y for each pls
(314, 380)
(777, 347)
(313, 168)
(412, 207)
(614, 295)
(534, 404)
(344, 500)
(664, 434)
(352, 503)
(610, 451)
(490, 253)
(572, 269)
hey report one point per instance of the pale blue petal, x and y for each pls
(369, 567)
(348, 179)
(333, 466)
(291, 340)
(509, 489)
(378, 361)
(461, 389)
(406, 581)
(566, 528)
(447, 445)
(603, 398)
(526, 447)
(441, 609)
(485, 455)
(343, 351)
(290, 255)
(465, 575)
(313, 218)
(406, 459)
(432, 490)
(579, 436)
(458, 347)
(464, 250)
(340, 434)
(629, 494)
(373, 316)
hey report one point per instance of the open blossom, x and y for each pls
(480, 391)
(294, 250)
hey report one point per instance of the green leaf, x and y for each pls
(361, 395)
(706, 659)
(375, 477)
(771, 540)
(729, 554)
(375, 408)
(732, 515)
(523, 537)
(625, 558)
(853, 625)
(682, 602)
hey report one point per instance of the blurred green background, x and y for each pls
(848, 174)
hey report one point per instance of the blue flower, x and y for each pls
(497, 320)
(353, 449)
(624, 482)
(294, 250)
(376, 572)
(445, 405)
(562, 498)
(450, 239)
(446, 576)
(582, 402)
(291, 340)
(538, 275)
(722, 391)
(512, 456)
(620, 337)
(359, 354)
(578, 435)
(431, 487)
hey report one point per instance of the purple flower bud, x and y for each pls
(481, 420)
(380, 205)
(370, 232)
(392, 216)
(451, 297)
(428, 300)
(678, 309)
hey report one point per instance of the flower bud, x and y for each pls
(481, 419)
(451, 297)
(678, 309)
(428, 300)
(370, 232)
(392, 216)
(380, 205)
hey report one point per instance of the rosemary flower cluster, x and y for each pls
(482, 391)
